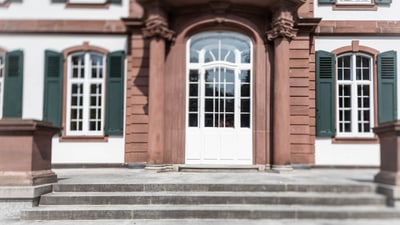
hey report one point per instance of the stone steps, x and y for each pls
(206, 211)
(210, 201)
(202, 187)
(288, 198)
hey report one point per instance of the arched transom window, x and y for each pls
(219, 80)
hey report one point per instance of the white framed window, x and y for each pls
(354, 102)
(2, 68)
(355, 2)
(85, 94)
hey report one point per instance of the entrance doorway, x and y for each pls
(219, 99)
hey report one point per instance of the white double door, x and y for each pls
(219, 116)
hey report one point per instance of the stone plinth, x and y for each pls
(389, 138)
(388, 178)
(25, 152)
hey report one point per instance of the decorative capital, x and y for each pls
(282, 26)
(157, 27)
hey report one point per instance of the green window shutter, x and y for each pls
(18, 1)
(325, 98)
(58, 1)
(326, 1)
(114, 124)
(13, 83)
(383, 1)
(117, 2)
(387, 86)
(53, 87)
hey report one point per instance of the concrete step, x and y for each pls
(141, 198)
(106, 212)
(154, 187)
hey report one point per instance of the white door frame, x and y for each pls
(219, 143)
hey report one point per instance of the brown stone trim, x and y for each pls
(342, 140)
(83, 138)
(355, 7)
(85, 47)
(355, 47)
(63, 26)
(358, 28)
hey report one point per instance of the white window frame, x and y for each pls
(87, 81)
(354, 97)
(354, 2)
(2, 74)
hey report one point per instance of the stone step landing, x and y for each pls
(211, 201)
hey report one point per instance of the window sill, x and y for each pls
(83, 139)
(355, 140)
(357, 7)
(5, 4)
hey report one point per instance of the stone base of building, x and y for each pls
(388, 178)
(28, 178)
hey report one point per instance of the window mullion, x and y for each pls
(86, 94)
(354, 96)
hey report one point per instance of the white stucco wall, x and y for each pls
(383, 12)
(328, 153)
(34, 47)
(44, 9)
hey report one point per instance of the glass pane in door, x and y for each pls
(219, 99)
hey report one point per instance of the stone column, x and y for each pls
(156, 29)
(281, 34)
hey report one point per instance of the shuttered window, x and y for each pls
(115, 93)
(345, 90)
(13, 85)
(53, 87)
(387, 86)
(325, 86)
(1, 83)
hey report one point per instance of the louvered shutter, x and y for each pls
(13, 85)
(53, 87)
(325, 89)
(326, 1)
(114, 124)
(383, 1)
(387, 86)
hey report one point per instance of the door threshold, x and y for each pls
(219, 168)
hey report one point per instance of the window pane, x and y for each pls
(193, 120)
(230, 105)
(209, 105)
(245, 90)
(208, 120)
(193, 105)
(245, 105)
(245, 76)
(193, 76)
(229, 120)
(244, 120)
(230, 90)
(193, 90)
(209, 90)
